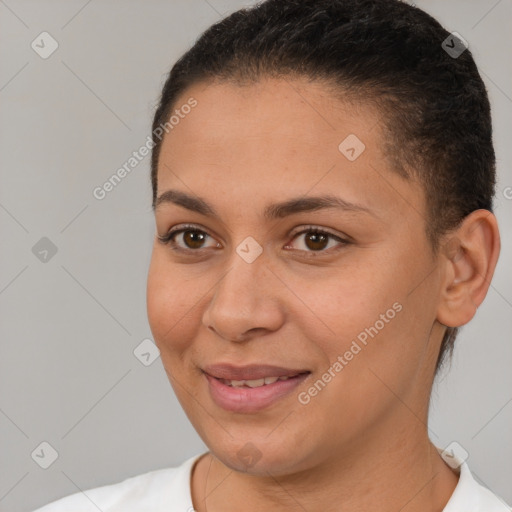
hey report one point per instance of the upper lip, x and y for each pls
(249, 372)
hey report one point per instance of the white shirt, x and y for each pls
(168, 490)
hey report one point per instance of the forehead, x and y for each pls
(286, 114)
(275, 137)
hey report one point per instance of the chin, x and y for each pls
(260, 456)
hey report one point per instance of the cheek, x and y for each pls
(368, 323)
(381, 332)
(371, 320)
(346, 305)
(171, 304)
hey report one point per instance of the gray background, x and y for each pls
(69, 326)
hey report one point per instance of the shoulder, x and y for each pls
(470, 496)
(154, 491)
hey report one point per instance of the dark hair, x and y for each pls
(434, 105)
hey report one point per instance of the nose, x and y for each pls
(246, 302)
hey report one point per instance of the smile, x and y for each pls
(256, 383)
(253, 395)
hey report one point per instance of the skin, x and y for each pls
(362, 442)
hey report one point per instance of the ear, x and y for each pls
(468, 259)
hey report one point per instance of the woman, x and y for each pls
(323, 174)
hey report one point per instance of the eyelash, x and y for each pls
(168, 239)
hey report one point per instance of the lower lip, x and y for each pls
(249, 400)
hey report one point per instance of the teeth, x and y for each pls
(255, 383)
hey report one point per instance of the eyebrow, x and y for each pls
(272, 211)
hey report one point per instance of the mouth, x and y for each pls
(251, 388)
(251, 372)
(256, 383)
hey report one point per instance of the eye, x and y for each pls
(318, 240)
(192, 238)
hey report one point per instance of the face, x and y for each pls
(257, 277)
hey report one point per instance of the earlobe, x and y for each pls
(468, 258)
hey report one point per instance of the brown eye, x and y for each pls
(193, 239)
(316, 241)
(188, 238)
